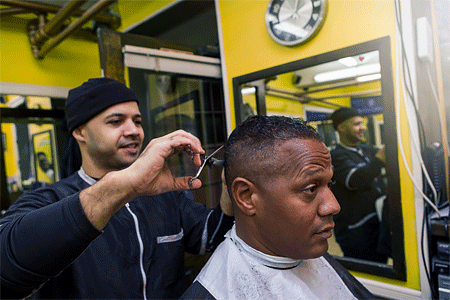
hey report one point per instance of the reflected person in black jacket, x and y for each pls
(119, 227)
(360, 190)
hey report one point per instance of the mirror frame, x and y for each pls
(383, 45)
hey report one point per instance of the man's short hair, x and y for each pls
(92, 97)
(253, 144)
(343, 114)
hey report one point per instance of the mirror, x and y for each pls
(359, 76)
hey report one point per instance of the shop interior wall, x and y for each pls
(248, 48)
(69, 64)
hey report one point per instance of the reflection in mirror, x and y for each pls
(30, 143)
(358, 77)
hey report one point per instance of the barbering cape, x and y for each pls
(237, 271)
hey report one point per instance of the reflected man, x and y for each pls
(45, 165)
(360, 190)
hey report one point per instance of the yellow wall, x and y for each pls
(70, 63)
(67, 65)
(132, 11)
(249, 48)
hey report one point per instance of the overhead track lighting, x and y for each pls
(347, 73)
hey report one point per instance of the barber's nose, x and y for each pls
(131, 128)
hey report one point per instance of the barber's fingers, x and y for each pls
(176, 142)
(182, 183)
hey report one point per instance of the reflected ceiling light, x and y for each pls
(15, 102)
(348, 61)
(368, 77)
(348, 73)
(249, 90)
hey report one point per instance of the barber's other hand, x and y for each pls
(149, 174)
(381, 154)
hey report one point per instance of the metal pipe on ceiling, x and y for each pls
(303, 100)
(341, 95)
(12, 11)
(96, 8)
(37, 7)
(53, 26)
(325, 87)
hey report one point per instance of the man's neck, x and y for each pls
(92, 171)
(348, 143)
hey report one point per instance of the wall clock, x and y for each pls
(292, 22)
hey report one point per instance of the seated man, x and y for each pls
(278, 173)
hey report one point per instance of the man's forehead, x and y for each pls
(303, 152)
(121, 107)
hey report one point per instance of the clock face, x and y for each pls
(292, 22)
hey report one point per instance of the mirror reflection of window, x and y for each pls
(176, 101)
(29, 147)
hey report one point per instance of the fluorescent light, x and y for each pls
(368, 77)
(15, 102)
(347, 73)
(348, 61)
(249, 90)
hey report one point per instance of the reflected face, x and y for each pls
(294, 216)
(353, 130)
(114, 137)
(43, 162)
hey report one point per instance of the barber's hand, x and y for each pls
(225, 200)
(149, 174)
(381, 154)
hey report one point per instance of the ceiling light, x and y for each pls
(368, 77)
(347, 73)
(249, 90)
(348, 61)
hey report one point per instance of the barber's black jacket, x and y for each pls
(358, 185)
(49, 247)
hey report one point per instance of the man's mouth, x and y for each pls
(132, 147)
(326, 232)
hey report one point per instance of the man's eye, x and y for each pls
(114, 122)
(311, 189)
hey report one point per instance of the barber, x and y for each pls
(117, 228)
(362, 225)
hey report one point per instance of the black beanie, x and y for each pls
(92, 97)
(342, 114)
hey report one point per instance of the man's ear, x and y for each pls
(78, 134)
(245, 196)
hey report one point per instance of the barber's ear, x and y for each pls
(78, 134)
(245, 196)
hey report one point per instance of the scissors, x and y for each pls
(207, 160)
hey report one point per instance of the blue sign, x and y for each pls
(314, 116)
(368, 105)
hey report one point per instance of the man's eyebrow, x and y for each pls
(112, 115)
(312, 172)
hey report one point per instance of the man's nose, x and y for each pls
(131, 128)
(330, 205)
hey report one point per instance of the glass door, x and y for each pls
(195, 104)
